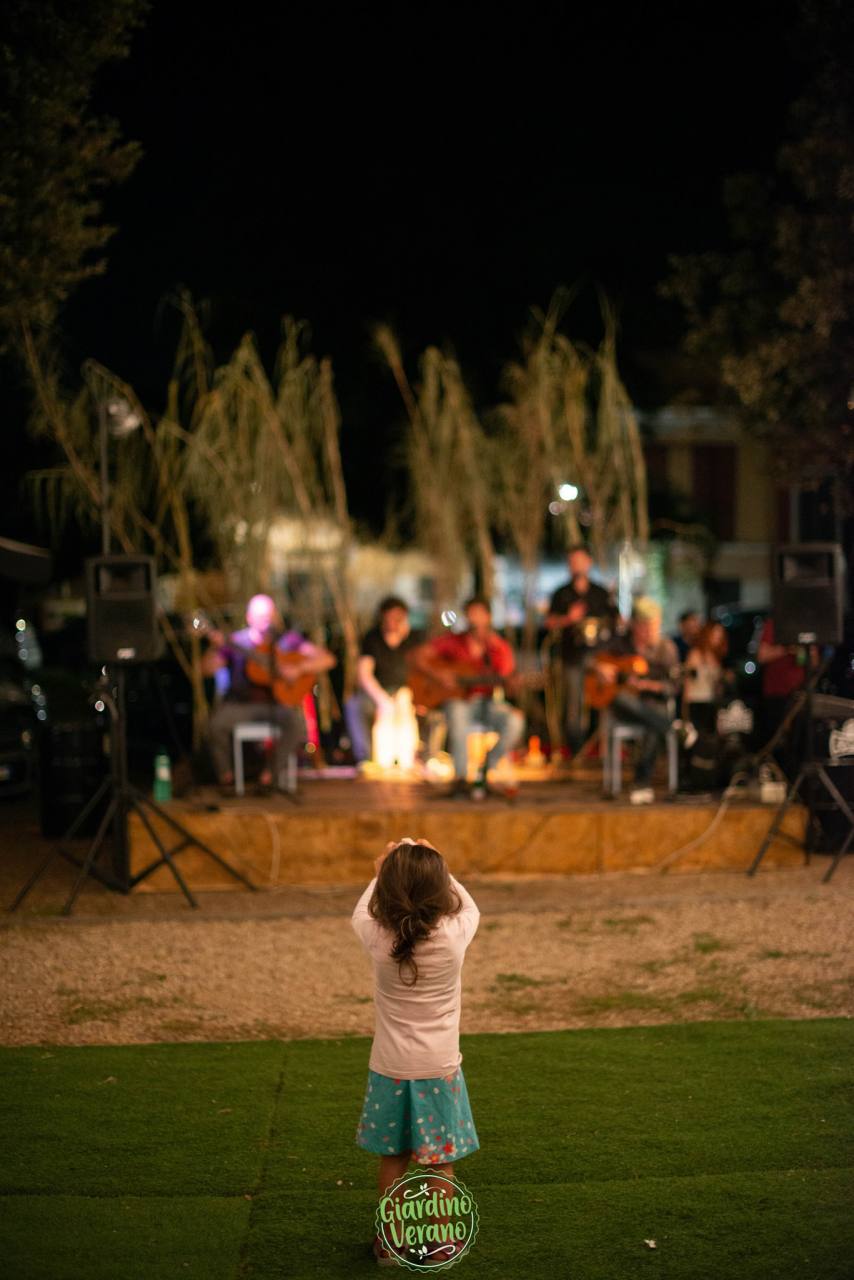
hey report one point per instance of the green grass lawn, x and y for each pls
(729, 1144)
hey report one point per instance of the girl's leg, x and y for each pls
(391, 1168)
(446, 1171)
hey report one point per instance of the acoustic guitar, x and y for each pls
(428, 691)
(599, 691)
(265, 667)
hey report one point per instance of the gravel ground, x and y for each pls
(557, 952)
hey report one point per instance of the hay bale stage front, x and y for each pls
(337, 829)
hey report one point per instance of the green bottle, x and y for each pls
(162, 777)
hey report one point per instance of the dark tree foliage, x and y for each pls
(57, 158)
(775, 311)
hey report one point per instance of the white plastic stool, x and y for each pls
(258, 731)
(616, 733)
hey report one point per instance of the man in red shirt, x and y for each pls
(783, 672)
(479, 649)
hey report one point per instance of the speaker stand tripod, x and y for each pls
(124, 799)
(810, 769)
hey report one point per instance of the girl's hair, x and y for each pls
(412, 893)
(713, 639)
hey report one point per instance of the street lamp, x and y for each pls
(115, 418)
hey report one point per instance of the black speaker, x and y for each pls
(807, 585)
(121, 614)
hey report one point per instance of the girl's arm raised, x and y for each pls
(469, 917)
(361, 917)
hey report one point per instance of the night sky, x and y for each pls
(439, 168)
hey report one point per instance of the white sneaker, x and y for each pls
(642, 795)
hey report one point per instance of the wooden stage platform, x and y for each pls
(338, 827)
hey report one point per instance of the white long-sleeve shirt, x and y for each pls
(417, 1028)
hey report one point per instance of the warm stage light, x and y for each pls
(395, 733)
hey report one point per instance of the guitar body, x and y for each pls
(600, 692)
(429, 692)
(287, 693)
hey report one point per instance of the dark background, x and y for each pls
(441, 168)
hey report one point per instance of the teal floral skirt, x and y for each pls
(430, 1118)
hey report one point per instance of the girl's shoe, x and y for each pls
(382, 1255)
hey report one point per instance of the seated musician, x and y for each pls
(380, 671)
(227, 661)
(478, 650)
(642, 699)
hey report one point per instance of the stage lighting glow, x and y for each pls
(448, 617)
(749, 668)
(394, 739)
(21, 625)
(555, 508)
(568, 492)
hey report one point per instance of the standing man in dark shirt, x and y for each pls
(570, 605)
(380, 672)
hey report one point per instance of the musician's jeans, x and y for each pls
(508, 722)
(229, 714)
(653, 717)
(359, 712)
(577, 713)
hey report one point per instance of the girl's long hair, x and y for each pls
(713, 639)
(412, 893)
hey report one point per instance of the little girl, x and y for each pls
(415, 921)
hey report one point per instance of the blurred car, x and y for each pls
(17, 732)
